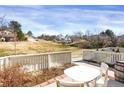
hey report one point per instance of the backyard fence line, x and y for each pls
(34, 62)
(102, 56)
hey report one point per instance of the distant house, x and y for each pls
(30, 38)
(6, 36)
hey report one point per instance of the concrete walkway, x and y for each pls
(111, 82)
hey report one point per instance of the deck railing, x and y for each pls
(33, 62)
(102, 56)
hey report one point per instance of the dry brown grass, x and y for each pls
(7, 48)
(16, 77)
(13, 76)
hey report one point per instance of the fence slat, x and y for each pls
(37, 61)
(102, 56)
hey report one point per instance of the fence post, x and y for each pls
(49, 61)
(4, 64)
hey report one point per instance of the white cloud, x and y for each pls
(41, 19)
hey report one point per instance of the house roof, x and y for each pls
(6, 33)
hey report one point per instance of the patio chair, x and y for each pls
(63, 83)
(102, 81)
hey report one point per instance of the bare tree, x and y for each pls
(2, 25)
(77, 36)
(15, 26)
(87, 34)
(2, 22)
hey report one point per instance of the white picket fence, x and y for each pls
(35, 62)
(102, 56)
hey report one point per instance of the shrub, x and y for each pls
(121, 44)
(83, 44)
(13, 77)
(113, 50)
(16, 77)
(118, 51)
(102, 49)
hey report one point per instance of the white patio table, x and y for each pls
(82, 73)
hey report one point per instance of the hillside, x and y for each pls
(42, 46)
(121, 38)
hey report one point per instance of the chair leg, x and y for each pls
(86, 84)
(93, 83)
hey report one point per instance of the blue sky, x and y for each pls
(66, 19)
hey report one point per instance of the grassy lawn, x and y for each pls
(42, 46)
